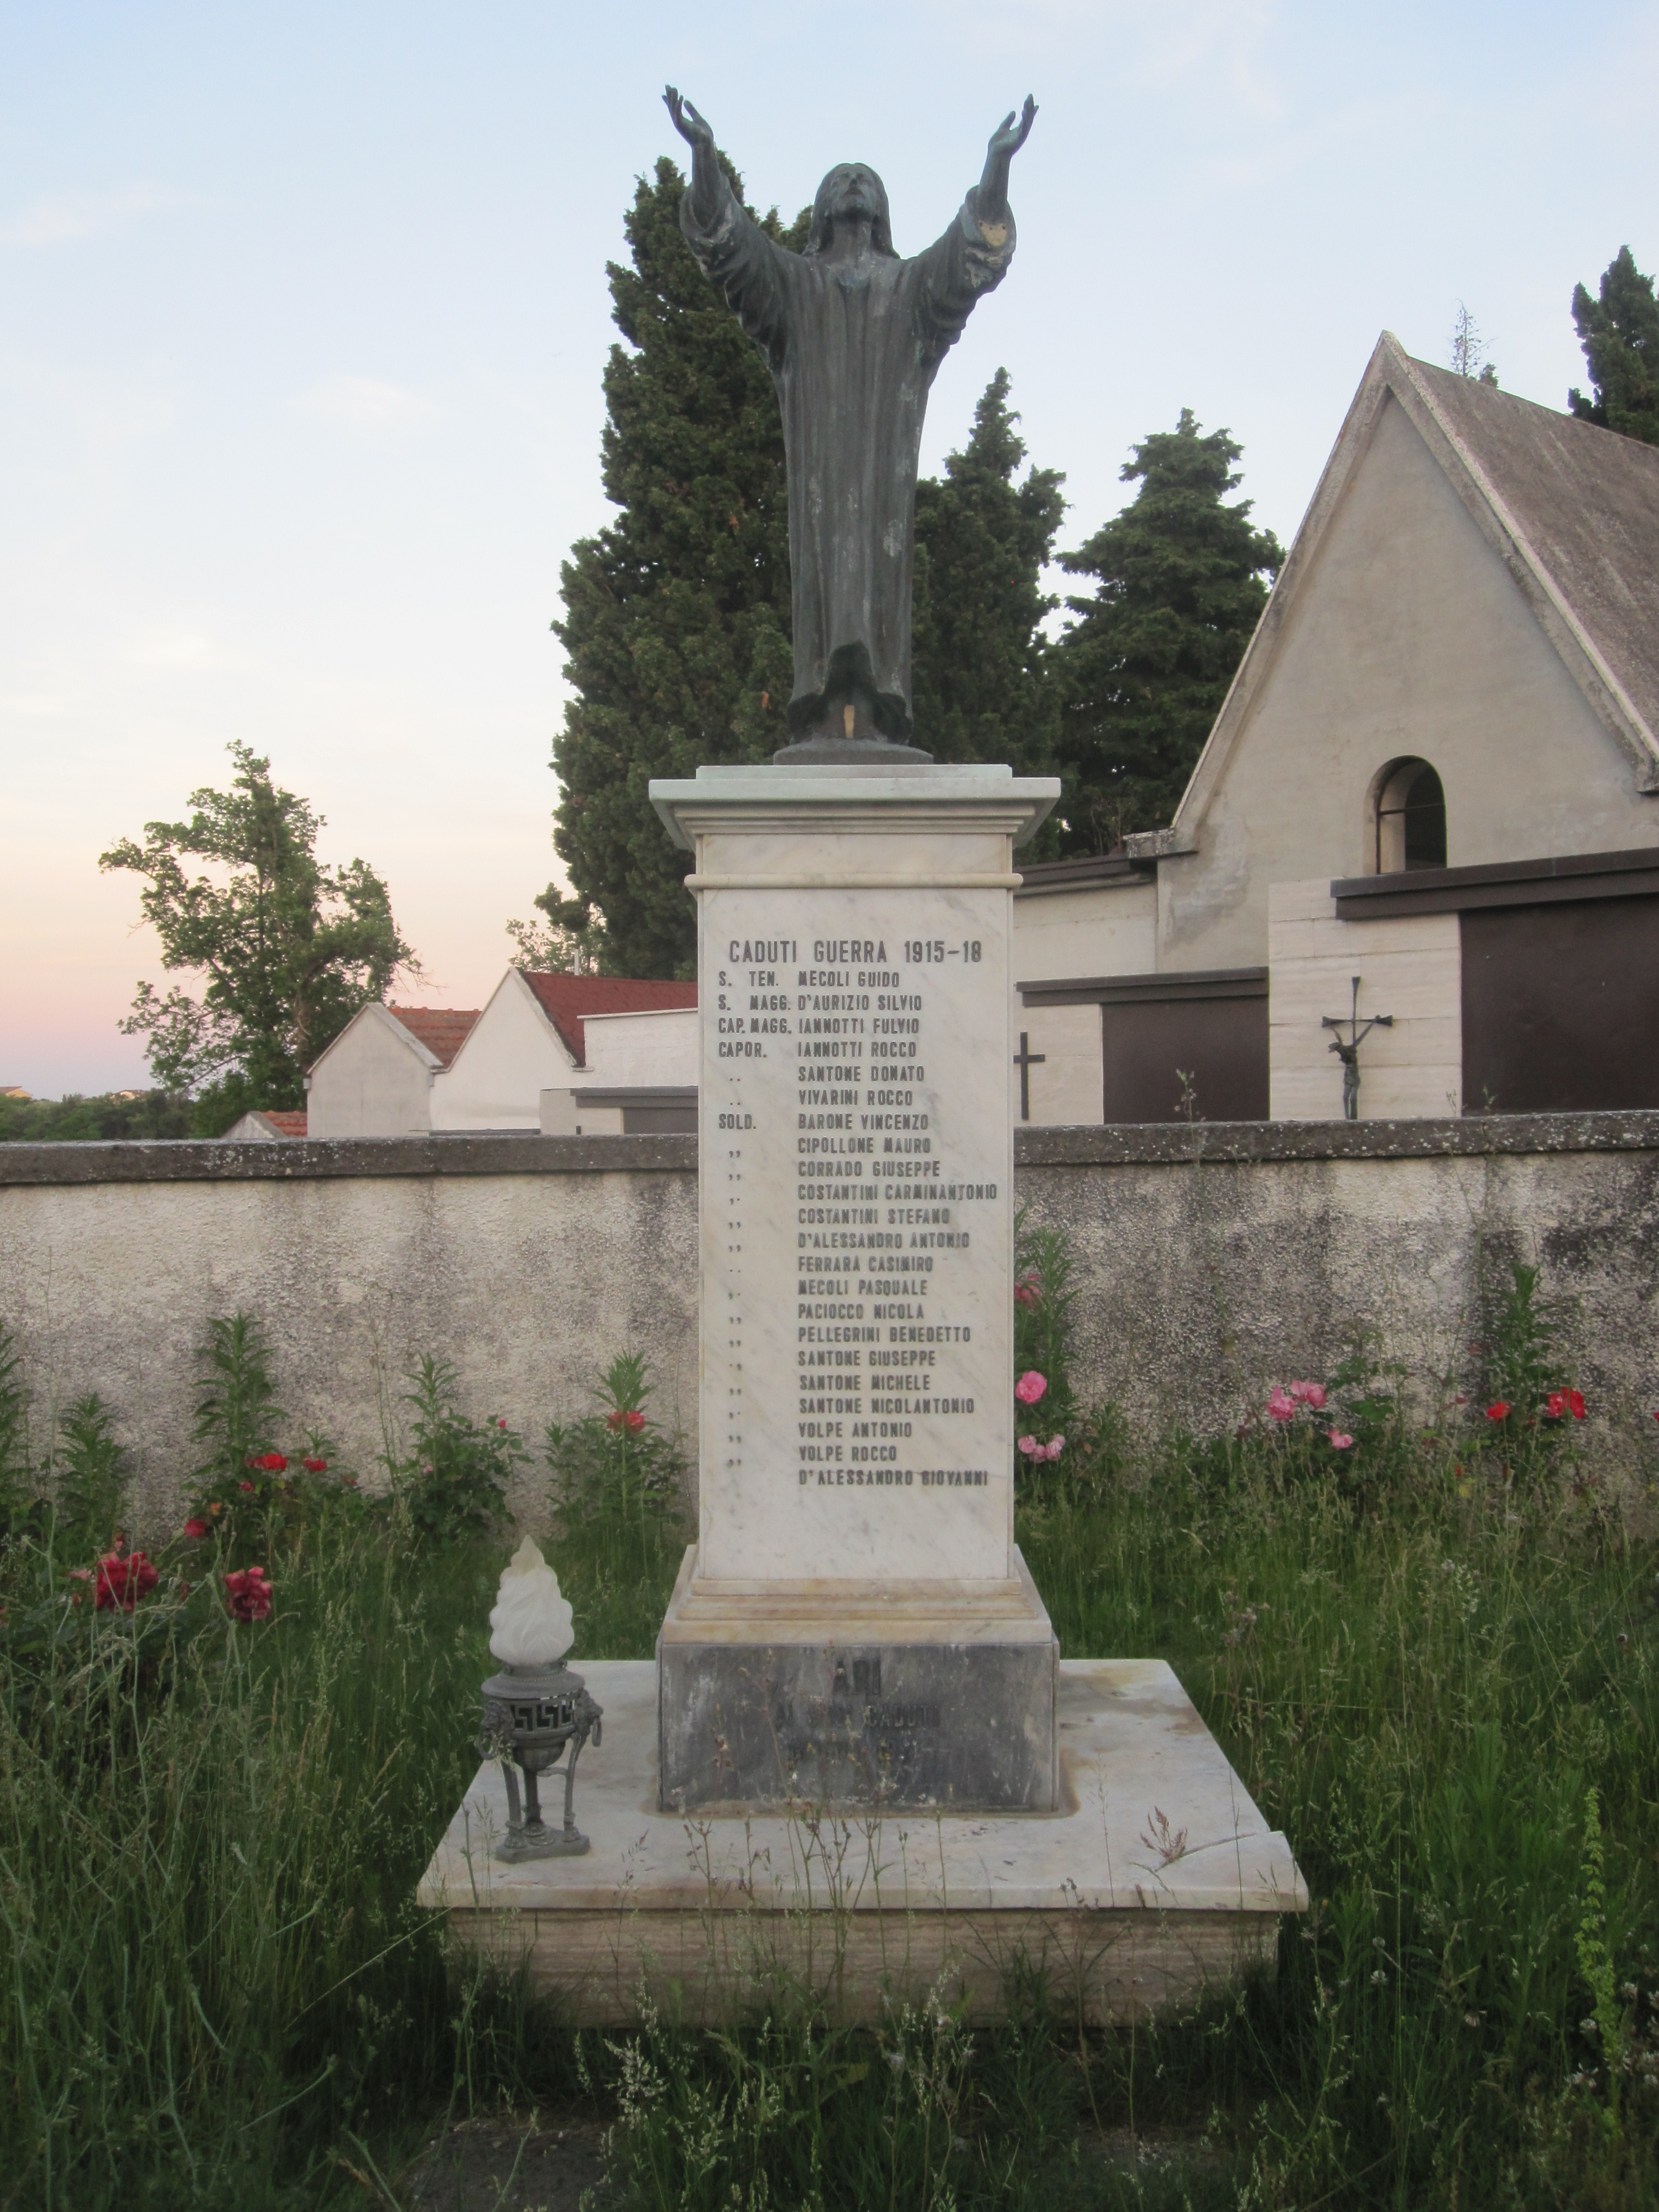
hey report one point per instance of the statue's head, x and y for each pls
(851, 190)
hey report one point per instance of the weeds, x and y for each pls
(1442, 1688)
(454, 1486)
(92, 1477)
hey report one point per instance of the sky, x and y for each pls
(305, 313)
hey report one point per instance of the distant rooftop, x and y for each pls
(442, 1030)
(565, 1000)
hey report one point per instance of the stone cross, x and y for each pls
(1025, 1060)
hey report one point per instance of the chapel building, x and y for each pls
(1436, 771)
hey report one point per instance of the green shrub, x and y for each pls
(453, 1485)
(616, 1467)
(16, 1485)
(91, 1478)
(1527, 1416)
(237, 1416)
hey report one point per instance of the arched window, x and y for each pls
(1410, 811)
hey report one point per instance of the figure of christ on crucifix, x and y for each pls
(1347, 1050)
(853, 337)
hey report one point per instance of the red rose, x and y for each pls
(316, 1467)
(623, 1418)
(195, 1528)
(501, 1424)
(1498, 1410)
(1575, 1404)
(245, 1485)
(274, 1463)
(249, 1595)
(348, 1482)
(121, 1582)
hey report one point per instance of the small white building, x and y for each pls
(376, 1078)
(415, 1071)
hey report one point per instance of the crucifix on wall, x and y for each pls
(1347, 1050)
(1025, 1060)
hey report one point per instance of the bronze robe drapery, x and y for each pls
(853, 348)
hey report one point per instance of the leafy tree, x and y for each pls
(1619, 334)
(76, 1120)
(676, 625)
(290, 946)
(570, 941)
(1148, 661)
(981, 676)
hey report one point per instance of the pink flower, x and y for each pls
(1057, 1445)
(1498, 1410)
(195, 1528)
(1311, 1395)
(1340, 1441)
(249, 1595)
(1033, 1449)
(1281, 1407)
(1030, 1386)
(501, 1424)
(122, 1582)
(624, 1420)
(1028, 1291)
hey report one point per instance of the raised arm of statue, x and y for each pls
(991, 200)
(706, 176)
(732, 248)
(975, 253)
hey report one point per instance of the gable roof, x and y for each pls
(442, 1030)
(261, 1124)
(565, 1000)
(1573, 511)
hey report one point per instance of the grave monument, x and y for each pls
(853, 1631)
(854, 1624)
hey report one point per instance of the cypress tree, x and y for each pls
(1619, 333)
(981, 676)
(676, 625)
(1146, 663)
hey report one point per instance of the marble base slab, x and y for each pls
(1154, 1880)
(856, 1694)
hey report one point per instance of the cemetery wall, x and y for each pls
(1212, 1259)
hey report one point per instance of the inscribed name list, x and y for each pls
(856, 1164)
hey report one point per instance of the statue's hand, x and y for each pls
(1009, 136)
(690, 125)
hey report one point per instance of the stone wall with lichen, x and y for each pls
(1211, 1261)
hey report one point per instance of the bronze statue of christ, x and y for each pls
(853, 337)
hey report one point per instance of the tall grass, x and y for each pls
(1422, 1695)
(1437, 1676)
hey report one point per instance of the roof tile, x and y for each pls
(566, 1000)
(442, 1030)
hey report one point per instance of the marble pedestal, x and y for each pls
(867, 1695)
(854, 1625)
(1152, 1882)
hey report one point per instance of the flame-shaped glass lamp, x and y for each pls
(536, 1707)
